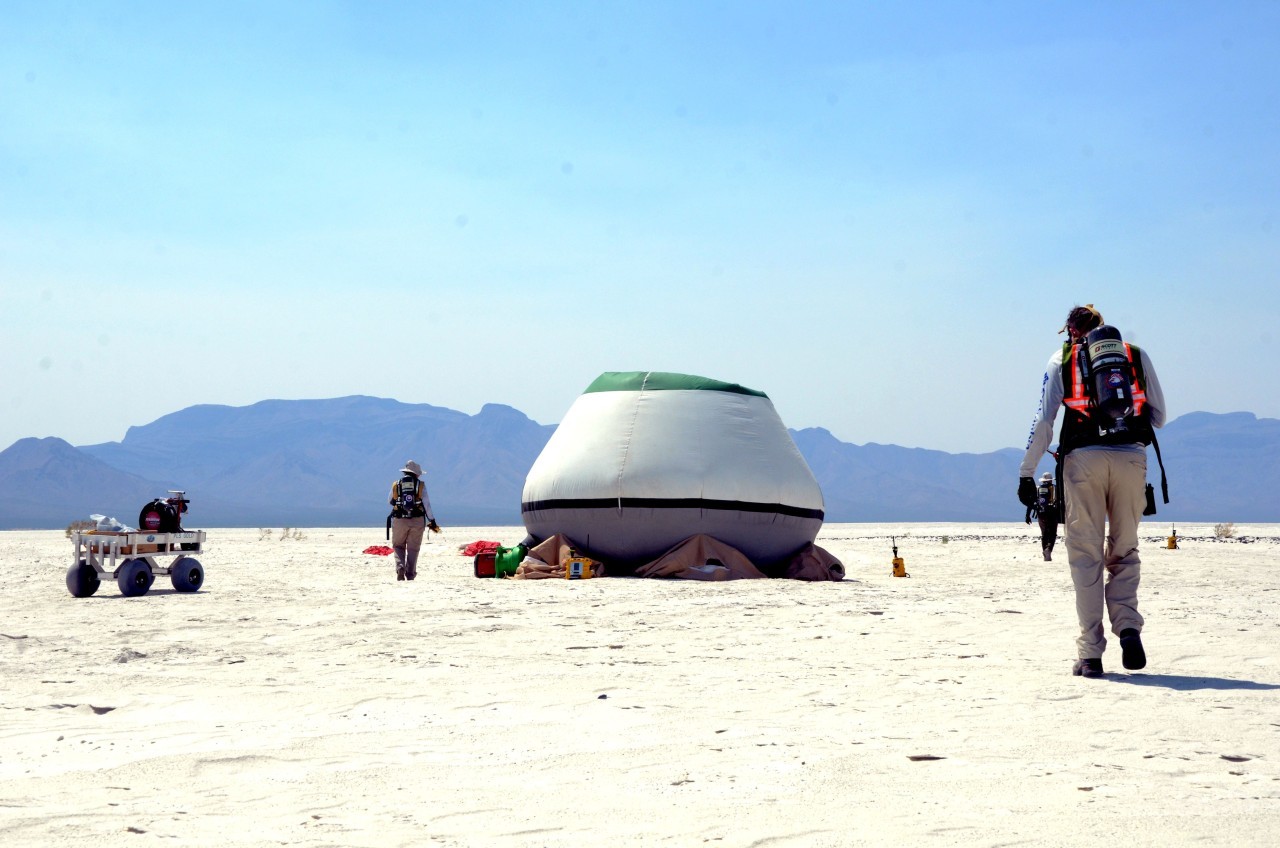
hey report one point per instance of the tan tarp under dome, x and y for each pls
(696, 558)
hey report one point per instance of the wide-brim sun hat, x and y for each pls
(413, 468)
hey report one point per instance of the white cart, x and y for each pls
(133, 559)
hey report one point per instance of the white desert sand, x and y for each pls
(305, 698)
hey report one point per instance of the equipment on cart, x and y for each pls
(164, 515)
(132, 557)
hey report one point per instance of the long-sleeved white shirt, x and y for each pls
(1051, 397)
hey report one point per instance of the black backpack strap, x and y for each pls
(1164, 481)
(1059, 458)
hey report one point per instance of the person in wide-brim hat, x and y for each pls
(409, 520)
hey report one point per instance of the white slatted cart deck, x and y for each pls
(133, 558)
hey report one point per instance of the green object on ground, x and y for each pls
(508, 559)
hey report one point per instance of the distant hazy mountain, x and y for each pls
(331, 462)
(49, 483)
(1220, 468)
(889, 483)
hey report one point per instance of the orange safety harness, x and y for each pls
(1077, 399)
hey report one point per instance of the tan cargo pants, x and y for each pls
(1106, 493)
(406, 538)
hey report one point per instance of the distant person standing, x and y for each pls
(410, 518)
(1113, 404)
(1048, 512)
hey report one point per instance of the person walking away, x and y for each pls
(1103, 462)
(1047, 510)
(410, 518)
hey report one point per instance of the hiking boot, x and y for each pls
(1091, 667)
(1048, 556)
(399, 574)
(1131, 653)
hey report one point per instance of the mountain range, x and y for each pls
(316, 463)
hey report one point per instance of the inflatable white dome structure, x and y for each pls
(645, 459)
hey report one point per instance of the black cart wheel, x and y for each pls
(134, 577)
(82, 580)
(186, 574)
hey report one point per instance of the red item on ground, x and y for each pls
(484, 564)
(380, 550)
(480, 547)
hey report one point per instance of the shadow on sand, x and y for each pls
(1188, 684)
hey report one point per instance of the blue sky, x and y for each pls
(877, 213)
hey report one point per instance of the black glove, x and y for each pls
(1027, 491)
(433, 527)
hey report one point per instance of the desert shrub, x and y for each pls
(264, 533)
(1225, 530)
(946, 539)
(80, 526)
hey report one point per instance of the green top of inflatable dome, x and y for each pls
(659, 381)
